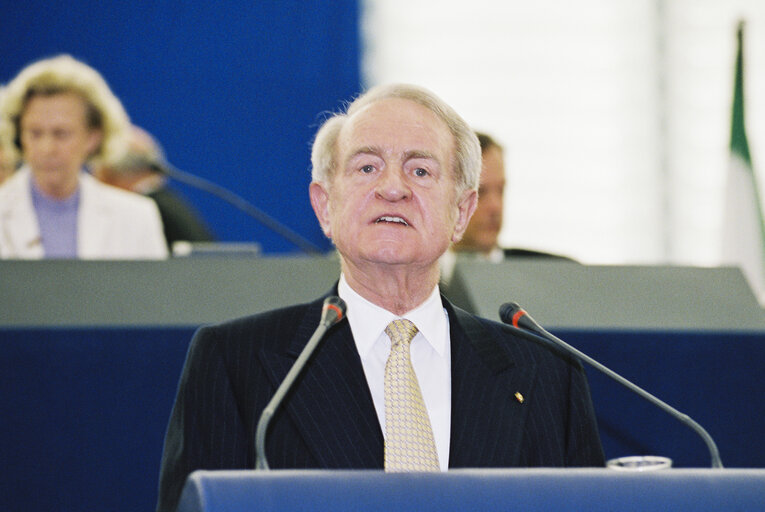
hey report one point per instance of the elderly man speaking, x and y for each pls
(409, 382)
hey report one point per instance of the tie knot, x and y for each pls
(401, 331)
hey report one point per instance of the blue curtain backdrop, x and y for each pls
(234, 92)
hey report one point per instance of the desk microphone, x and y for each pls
(332, 312)
(513, 315)
(237, 201)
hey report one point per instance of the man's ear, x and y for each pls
(320, 203)
(465, 208)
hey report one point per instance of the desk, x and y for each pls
(85, 405)
(546, 490)
(85, 409)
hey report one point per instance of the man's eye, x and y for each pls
(420, 172)
(367, 169)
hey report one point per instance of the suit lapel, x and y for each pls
(331, 405)
(487, 417)
(94, 223)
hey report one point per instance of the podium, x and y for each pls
(92, 351)
(590, 489)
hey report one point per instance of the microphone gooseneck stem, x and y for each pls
(539, 333)
(684, 418)
(333, 312)
(240, 203)
(265, 418)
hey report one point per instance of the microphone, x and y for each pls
(332, 313)
(240, 203)
(513, 315)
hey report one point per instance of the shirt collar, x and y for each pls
(41, 199)
(368, 321)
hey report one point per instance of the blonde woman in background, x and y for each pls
(56, 116)
(6, 165)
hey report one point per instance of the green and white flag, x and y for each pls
(744, 229)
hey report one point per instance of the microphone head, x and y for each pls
(508, 311)
(333, 310)
(512, 314)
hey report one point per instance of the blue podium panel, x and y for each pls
(519, 489)
(84, 413)
(713, 377)
(95, 401)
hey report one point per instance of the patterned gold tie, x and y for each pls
(409, 443)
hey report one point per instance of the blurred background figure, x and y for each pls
(57, 115)
(481, 237)
(7, 166)
(483, 230)
(143, 170)
(480, 241)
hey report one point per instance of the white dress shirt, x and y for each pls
(430, 352)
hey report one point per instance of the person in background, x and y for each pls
(482, 234)
(143, 170)
(394, 183)
(57, 115)
(7, 167)
(484, 227)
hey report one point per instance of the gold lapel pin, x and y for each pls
(519, 397)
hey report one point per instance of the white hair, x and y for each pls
(467, 165)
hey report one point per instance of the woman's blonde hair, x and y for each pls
(60, 75)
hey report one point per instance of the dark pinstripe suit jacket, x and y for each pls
(329, 420)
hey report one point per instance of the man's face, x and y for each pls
(392, 197)
(483, 230)
(56, 141)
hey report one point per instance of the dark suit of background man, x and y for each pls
(394, 184)
(143, 170)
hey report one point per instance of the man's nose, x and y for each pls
(392, 184)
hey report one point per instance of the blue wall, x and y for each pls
(234, 94)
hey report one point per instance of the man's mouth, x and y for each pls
(393, 219)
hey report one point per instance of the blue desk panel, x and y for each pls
(84, 413)
(592, 490)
